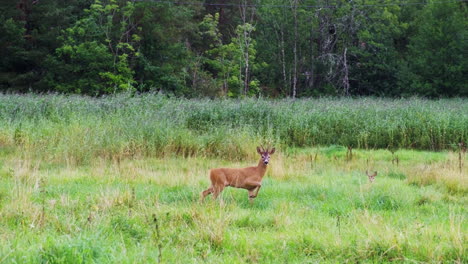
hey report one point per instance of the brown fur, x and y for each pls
(371, 176)
(249, 178)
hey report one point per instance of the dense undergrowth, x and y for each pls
(75, 128)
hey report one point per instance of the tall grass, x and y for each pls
(75, 128)
(69, 192)
(320, 211)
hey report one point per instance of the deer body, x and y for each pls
(249, 178)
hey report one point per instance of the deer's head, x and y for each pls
(371, 176)
(265, 154)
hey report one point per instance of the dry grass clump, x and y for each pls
(439, 174)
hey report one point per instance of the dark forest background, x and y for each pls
(235, 48)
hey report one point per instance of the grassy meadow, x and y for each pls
(117, 180)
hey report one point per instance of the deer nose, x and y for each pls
(266, 162)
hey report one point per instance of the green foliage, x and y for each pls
(273, 48)
(437, 50)
(245, 45)
(228, 66)
(38, 27)
(96, 52)
(11, 42)
(211, 67)
(57, 127)
(78, 251)
(147, 210)
(377, 55)
(166, 31)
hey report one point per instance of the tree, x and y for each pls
(436, 61)
(29, 32)
(235, 48)
(168, 34)
(216, 60)
(274, 38)
(376, 53)
(98, 51)
(244, 42)
(230, 65)
(11, 50)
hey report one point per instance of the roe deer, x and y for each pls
(249, 178)
(371, 176)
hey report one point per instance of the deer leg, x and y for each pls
(253, 190)
(217, 190)
(253, 187)
(258, 189)
(251, 195)
(206, 193)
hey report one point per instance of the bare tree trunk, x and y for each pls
(279, 31)
(345, 77)
(240, 76)
(246, 46)
(195, 72)
(310, 74)
(283, 58)
(194, 76)
(246, 58)
(225, 88)
(294, 84)
(246, 76)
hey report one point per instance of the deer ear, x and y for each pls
(272, 151)
(259, 151)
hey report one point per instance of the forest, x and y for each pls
(241, 48)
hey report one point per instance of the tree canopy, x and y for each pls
(235, 48)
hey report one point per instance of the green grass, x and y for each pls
(117, 180)
(320, 209)
(56, 127)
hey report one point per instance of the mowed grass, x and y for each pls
(315, 206)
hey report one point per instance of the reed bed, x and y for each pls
(77, 128)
